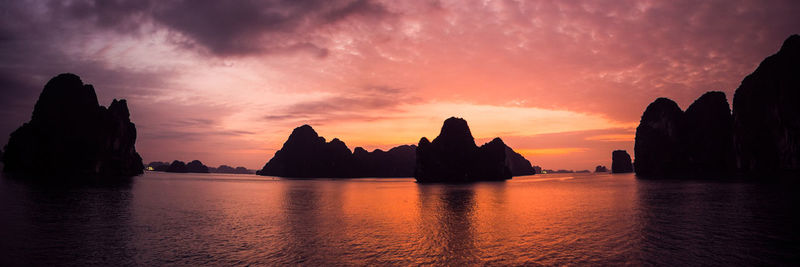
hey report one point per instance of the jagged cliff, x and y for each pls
(70, 133)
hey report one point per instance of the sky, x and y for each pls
(562, 82)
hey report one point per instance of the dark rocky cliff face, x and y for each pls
(671, 142)
(306, 155)
(454, 157)
(397, 162)
(70, 133)
(658, 147)
(518, 164)
(766, 114)
(620, 162)
(708, 135)
(762, 135)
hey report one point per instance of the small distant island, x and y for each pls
(194, 166)
(600, 168)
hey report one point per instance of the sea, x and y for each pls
(552, 219)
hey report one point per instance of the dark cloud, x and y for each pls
(224, 28)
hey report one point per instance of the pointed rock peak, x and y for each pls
(661, 105)
(65, 96)
(791, 45)
(119, 108)
(359, 150)
(456, 129)
(304, 131)
(424, 141)
(498, 140)
(712, 99)
(64, 79)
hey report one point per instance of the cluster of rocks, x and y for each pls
(70, 133)
(194, 166)
(453, 157)
(229, 169)
(761, 135)
(305, 154)
(600, 168)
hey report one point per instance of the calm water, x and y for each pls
(213, 219)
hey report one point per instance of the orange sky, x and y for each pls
(562, 83)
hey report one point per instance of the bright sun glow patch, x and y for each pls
(550, 151)
(612, 138)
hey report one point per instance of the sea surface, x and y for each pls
(224, 219)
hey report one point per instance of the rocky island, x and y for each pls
(453, 157)
(621, 162)
(760, 135)
(71, 134)
(305, 154)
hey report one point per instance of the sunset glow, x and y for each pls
(562, 83)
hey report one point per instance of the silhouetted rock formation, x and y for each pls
(518, 164)
(306, 155)
(601, 168)
(761, 136)
(194, 166)
(454, 157)
(229, 169)
(158, 166)
(70, 133)
(621, 162)
(708, 135)
(658, 147)
(766, 114)
(397, 162)
(670, 142)
(177, 166)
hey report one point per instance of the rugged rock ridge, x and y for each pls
(397, 162)
(620, 162)
(762, 135)
(657, 146)
(307, 155)
(70, 133)
(454, 157)
(229, 169)
(518, 164)
(708, 135)
(670, 142)
(766, 114)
